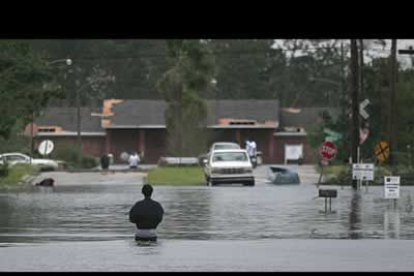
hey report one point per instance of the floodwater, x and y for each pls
(86, 227)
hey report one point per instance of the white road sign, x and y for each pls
(392, 187)
(363, 172)
(46, 147)
(362, 110)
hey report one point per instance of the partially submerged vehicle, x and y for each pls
(229, 166)
(280, 175)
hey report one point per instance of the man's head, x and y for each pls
(147, 190)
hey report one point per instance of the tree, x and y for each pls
(245, 67)
(136, 64)
(183, 87)
(27, 83)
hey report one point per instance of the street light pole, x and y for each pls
(68, 62)
(78, 119)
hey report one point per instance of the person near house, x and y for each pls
(146, 214)
(251, 148)
(247, 146)
(133, 160)
(105, 162)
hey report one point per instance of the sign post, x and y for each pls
(392, 187)
(363, 172)
(46, 147)
(364, 114)
(382, 151)
(328, 152)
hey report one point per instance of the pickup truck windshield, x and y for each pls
(226, 146)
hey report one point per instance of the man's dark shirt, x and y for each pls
(146, 214)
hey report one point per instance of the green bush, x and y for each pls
(74, 157)
(88, 162)
(340, 174)
(71, 154)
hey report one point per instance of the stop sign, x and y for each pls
(328, 150)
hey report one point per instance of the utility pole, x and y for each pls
(392, 109)
(78, 118)
(31, 138)
(361, 68)
(344, 103)
(355, 105)
(410, 52)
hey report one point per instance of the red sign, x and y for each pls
(328, 150)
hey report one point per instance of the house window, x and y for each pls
(47, 129)
(242, 123)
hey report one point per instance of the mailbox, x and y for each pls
(327, 194)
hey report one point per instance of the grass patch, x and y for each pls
(177, 176)
(16, 175)
(333, 169)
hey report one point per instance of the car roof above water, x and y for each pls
(12, 153)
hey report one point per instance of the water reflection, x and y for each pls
(187, 212)
(392, 223)
(100, 213)
(355, 216)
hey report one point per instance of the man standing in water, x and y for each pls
(146, 214)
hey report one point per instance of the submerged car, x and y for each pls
(279, 175)
(20, 158)
(228, 167)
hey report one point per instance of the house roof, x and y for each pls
(142, 113)
(306, 118)
(64, 119)
(150, 114)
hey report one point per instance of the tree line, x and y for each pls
(297, 72)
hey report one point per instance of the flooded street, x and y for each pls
(210, 226)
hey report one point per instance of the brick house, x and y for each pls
(139, 125)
